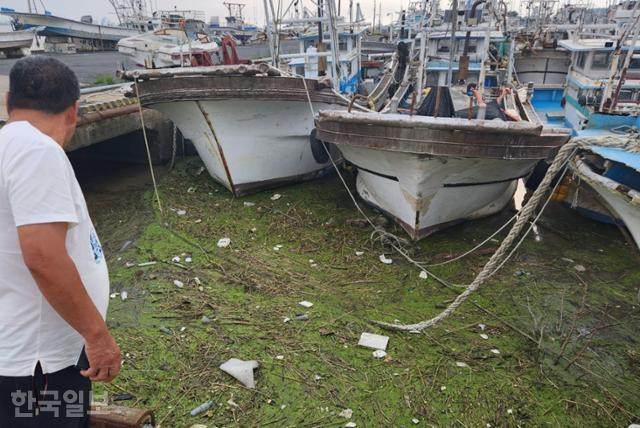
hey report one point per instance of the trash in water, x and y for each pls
(122, 397)
(241, 370)
(373, 341)
(580, 268)
(165, 330)
(224, 242)
(350, 425)
(302, 317)
(415, 421)
(385, 260)
(482, 326)
(379, 353)
(249, 204)
(279, 357)
(359, 253)
(124, 295)
(423, 274)
(188, 259)
(276, 196)
(306, 304)
(125, 246)
(443, 388)
(114, 295)
(484, 336)
(176, 259)
(286, 319)
(181, 212)
(495, 351)
(317, 377)
(346, 413)
(146, 264)
(182, 329)
(178, 283)
(201, 408)
(197, 281)
(461, 364)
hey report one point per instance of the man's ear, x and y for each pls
(72, 113)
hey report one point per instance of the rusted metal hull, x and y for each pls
(431, 173)
(252, 132)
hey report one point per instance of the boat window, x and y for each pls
(626, 95)
(635, 62)
(581, 60)
(600, 60)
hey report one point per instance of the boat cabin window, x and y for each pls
(600, 60)
(581, 60)
(627, 95)
(635, 62)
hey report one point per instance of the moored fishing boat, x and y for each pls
(250, 125)
(432, 172)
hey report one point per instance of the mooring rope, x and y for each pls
(630, 142)
(498, 259)
(146, 143)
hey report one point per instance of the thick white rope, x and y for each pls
(498, 259)
(146, 143)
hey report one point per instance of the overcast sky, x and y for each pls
(100, 9)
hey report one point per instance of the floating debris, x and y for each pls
(176, 259)
(125, 246)
(373, 341)
(276, 196)
(415, 421)
(114, 295)
(484, 336)
(423, 274)
(124, 295)
(201, 408)
(359, 253)
(188, 259)
(241, 370)
(379, 353)
(305, 304)
(350, 425)
(122, 397)
(385, 260)
(510, 411)
(178, 283)
(495, 351)
(580, 268)
(346, 413)
(482, 326)
(224, 242)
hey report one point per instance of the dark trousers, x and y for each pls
(56, 400)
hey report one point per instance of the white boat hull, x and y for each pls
(247, 144)
(624, 205)
(425, 194)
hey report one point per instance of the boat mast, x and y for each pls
(452, 42)
(608, 89)
(425, 34)
(625, 67)
(489, 8)
(272, 36)
(334, 40)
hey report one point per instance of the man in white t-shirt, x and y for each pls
(54, 284)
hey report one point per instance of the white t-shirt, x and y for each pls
(38, 185)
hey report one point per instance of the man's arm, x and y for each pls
(45, 254)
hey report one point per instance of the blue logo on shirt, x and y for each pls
(98, 254)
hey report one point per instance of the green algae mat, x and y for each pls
(551, 340)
